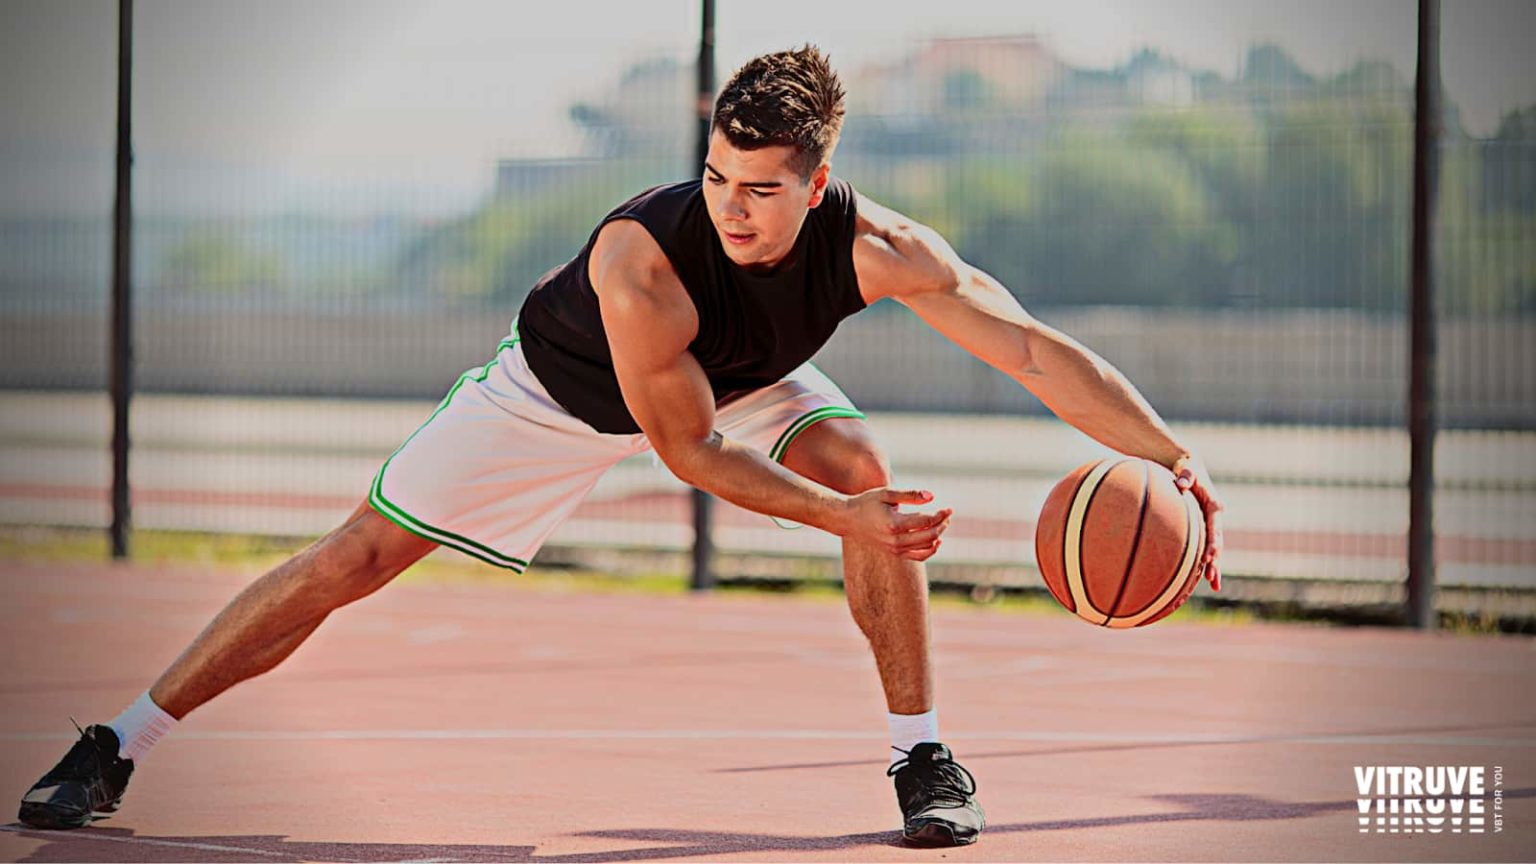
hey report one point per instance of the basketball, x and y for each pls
(1119, 544)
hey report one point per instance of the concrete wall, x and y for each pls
(1308, 366)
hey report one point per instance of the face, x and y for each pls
(756, 201)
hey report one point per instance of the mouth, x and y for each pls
(737, 239)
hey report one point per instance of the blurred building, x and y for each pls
(943, 76)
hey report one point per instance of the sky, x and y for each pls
(370, 103)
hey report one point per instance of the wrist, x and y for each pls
(836, 512)
(1168, 458)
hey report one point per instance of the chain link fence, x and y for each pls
(1235, 241)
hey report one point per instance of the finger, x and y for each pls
(919, 521)
(919, 539)
(908, 522)
(924, 553)
(1215, 535)
(1184, 479)
(1213, 573)
(1208, 502)
(928, 535)
(906, 496)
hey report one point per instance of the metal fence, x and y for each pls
(1236, 242)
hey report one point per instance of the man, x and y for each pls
(684, 325)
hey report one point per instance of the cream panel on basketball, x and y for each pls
(1073, 542)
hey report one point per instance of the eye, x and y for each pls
(761, 193)
(718, 181)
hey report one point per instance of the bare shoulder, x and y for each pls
(897, 256)
(625, 253)
(638, 289)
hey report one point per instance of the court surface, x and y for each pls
(493, 722)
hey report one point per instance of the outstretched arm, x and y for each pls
(899, 258)
(650, 321)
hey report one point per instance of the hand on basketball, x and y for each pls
(1190, 473)
(873, 517)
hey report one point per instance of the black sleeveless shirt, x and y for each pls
(753, 328)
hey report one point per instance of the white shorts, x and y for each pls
(500, 464)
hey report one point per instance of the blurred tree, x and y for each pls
(1331, 230)
(1276, 188)
(1509, 163)
(1226, 149)
(965, 90)
(209, 260)
(1271, 67)
(1105, 222)
(1486, 253)
(499, 251)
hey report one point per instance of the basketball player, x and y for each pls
(684, 325)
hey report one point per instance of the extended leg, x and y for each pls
(260, 627)
(274, 614)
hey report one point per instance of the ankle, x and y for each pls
(140, 726)
(909, 730)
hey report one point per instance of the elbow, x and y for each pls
(1061, 373)
(686, 457)
(1031, 352)
(1049, 353)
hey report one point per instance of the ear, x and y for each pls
(819, 179)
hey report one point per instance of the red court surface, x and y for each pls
(492, 722)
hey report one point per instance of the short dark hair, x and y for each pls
(784, 99)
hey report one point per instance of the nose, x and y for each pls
(731, 206)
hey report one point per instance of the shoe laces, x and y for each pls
(82, 762)
(942, 779)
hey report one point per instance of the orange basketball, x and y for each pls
(1119, 544)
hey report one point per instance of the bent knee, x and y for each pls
(863, 469)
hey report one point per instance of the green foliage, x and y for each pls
(1088, 220)
(207, 260)
(1509, 164)
(966, 90)
(1224, 149)
(1274, 189)
(1486, 258)
(499, 251)
(1273, 67)
(1116, 224)
(1304, 204)
(1333, 229)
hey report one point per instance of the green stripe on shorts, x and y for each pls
(805, 422)
(391, 511)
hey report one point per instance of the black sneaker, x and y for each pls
(936, 800)
(89, 779)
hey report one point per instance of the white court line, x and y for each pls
(793, 735)
(35, 834)
(145, 841)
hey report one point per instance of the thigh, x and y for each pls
(496, 468)
(773, 418)
(807, 424)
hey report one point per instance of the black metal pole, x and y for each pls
(122, 264)
(706, 101)
(1421, 396)
(703, 577)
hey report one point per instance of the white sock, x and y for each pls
(140, 726)
(909, 730)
